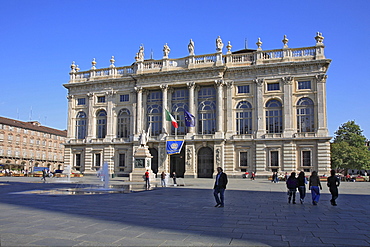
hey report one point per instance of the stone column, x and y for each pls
(191, 87)
(288, 127)
(139, 109)
(219, 111)
(164, 88)
(320, 113)
(90, 116)
(259, 109)
(71, 119)
(229, 109)
(110, 117)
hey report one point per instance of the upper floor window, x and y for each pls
(207, 110)
(305, 115)
(101, 99)
(274, 117)
(81, 121)
(81, 101)
(273, 86)
(304, 85)
(180, 99)
(243, 89)
(124, 97)
(244, 118)
(154, 110)
(123, 125)
(101, 124)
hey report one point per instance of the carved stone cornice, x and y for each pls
(90, 95)
(229, 84)
(70, 97)
(219, 83)
(138, 89)
(190, 84)
(164, 87)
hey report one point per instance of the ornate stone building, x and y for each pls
(24, 145)
(255, 110)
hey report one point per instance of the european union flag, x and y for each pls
(174, 146)
(189, 119)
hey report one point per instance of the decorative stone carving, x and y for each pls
(288, 80)
(229, 84)
(138, 89)
(191, 47)
(140, 55)
(219, 44)
(190, 84)
(73, 67)
(219, 83)
(112, 62)
(93, 63)
(319, 38)
(166, 50)
(321, 78)
(259, 82)
(189, 157)
(229, 46)
(285, 41)
(218, 157)
(164, 87)
(259, 44)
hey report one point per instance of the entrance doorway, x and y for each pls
(177, 163)
(154, 165)
(205, 163)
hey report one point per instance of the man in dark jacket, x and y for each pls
(219, 188)
(333, 183)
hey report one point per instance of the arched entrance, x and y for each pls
(205, 163)
(154, 165)
(177, 163)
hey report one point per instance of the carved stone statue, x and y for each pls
(191, 47)
(219, 44)
(166, 50)
(143, 138)
(140, 54)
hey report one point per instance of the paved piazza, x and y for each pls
(256, 213)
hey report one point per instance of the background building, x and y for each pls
(24, 145)
(255, 110)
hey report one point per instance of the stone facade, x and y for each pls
(255, 110)
(24, 145)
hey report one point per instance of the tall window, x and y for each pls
(305, 115)
(122, 158)
(180, 99)
(207, 110)
(101, 124)
(274, 158)
(97, 159)
(243, 159)
(306, 158)
(81, 125)
(78, 160)
(244, 118)
(154, 111)
(274, 118)
(123, 127)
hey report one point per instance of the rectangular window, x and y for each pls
(124, 97)
(243, 159)
(304, 85)
(273, 86)
(121, 161)
(78, 160)
(243, 89)
(306, 158)
(274, 158)
(97, 159)
(81, 101)
(101, 99)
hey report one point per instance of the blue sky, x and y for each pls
(40, 39)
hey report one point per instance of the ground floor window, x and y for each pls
(274, 158)
(97, 159)
(306, 158)
(243, 159)
(78, 161)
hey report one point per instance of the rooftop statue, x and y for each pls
(191, 47)
(219, 44)
(166, 50)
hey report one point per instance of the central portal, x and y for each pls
(177, 163)
(205, 163)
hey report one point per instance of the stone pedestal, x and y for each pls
(142, 162)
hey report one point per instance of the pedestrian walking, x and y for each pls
(253, 176)
(302, 181)
(333, 183)
(174, 178)
(292, 185)
(219, 187)
(163, 179)
(147, 182)
(315, 187)
(44, 173)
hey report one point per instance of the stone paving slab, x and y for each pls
(256, 214)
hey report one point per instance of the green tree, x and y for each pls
(348, 150)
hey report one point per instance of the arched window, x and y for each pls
(274, 117)
(244, 118)
(101, 124)
(123, 123)
(207, 110)
(154, 111)
(180, 99)
(81, 125)
(305, 115)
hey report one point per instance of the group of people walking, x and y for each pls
(293, 183)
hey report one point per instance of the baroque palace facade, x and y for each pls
(24, 145)
(255, 110)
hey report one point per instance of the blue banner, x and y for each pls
(174, 146)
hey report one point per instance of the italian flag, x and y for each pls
(169, 117)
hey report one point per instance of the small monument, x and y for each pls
(142, 159)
